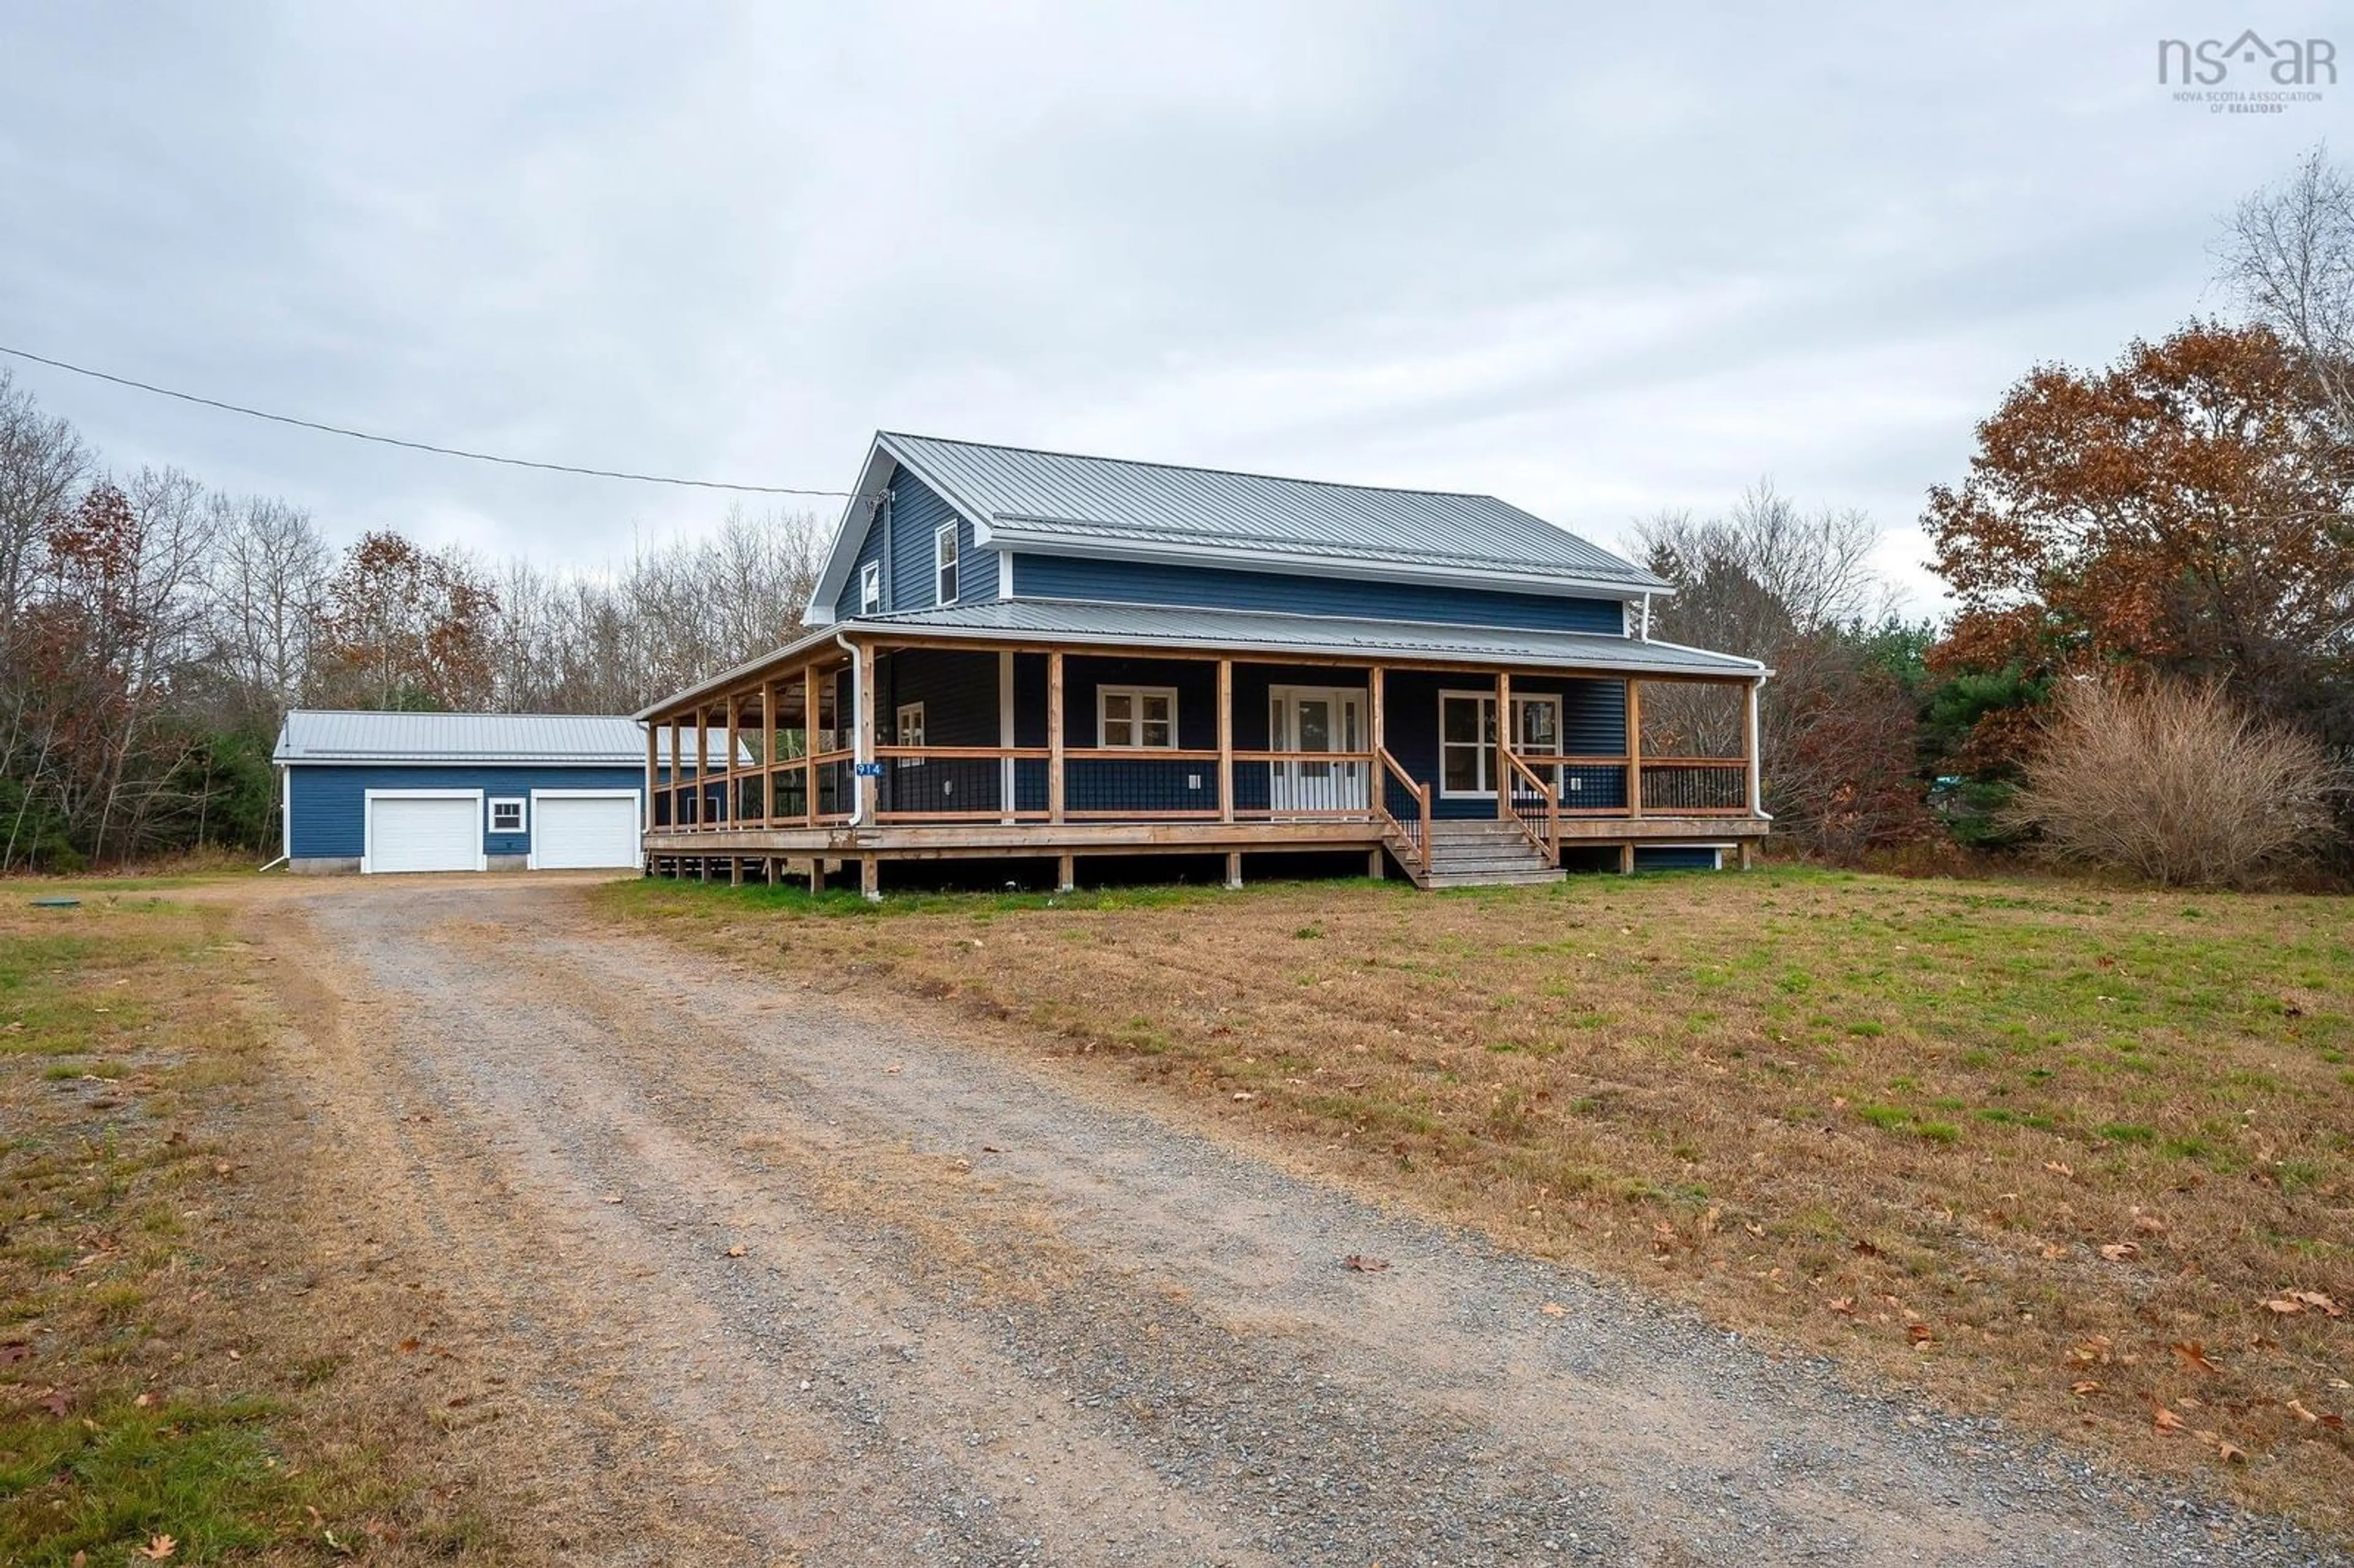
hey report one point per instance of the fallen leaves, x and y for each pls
(1553, 1309)
(158, 1549)
(2165, 1420)
(2193, 1355)
(2058, 1168)
(1919, 1333)
(13, 1351)
(1357, 1262)
(2120, 1252)
(2084, 1385)
(736, 1250)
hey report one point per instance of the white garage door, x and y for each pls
(570, 832)
(437, 833)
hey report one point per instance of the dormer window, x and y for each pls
(870, 587)
(944, 563)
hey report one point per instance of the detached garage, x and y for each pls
(405, 793)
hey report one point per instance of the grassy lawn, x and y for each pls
(2078, 1156)
(164, 1394)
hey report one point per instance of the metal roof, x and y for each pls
(320, 735)
(1257, 632)
(1023, 496)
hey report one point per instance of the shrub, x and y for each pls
(2173, 782)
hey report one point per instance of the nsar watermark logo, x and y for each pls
(2249, 74)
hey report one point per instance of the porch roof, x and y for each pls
(1258, 634)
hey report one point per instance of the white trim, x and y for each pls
(1137, 722)
(286, 810)
(369, 798)
(531, 852)
(1505, 726)
(946, 563)
(1005, 574)
(521, 803)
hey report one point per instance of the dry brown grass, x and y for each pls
(2082, 1158)
(175, 1362)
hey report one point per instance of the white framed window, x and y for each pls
(1136, 718)
(506, 815)
(1466, 738)
(870, 587)
(911, 731)
(944, 563)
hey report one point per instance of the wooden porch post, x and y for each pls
(1503, 743)
(1373, 721)
(768, 755)
(677, 775)
(702, 744)
(1007, 771)
(869, 796)
(1634, 757)
(1749, 750)
(1054, 742)
(1226, 740)
(809, 690)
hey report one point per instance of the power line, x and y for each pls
(416, 446)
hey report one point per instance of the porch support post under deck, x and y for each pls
(1749, 750)
(1226, 740)
(1634, 757)
(809, 757)
(869, 796)
(1503, 743)
(702, 744)
(1054, 745)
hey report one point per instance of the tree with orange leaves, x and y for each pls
(2186, 510)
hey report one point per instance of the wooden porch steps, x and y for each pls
(1482, 854)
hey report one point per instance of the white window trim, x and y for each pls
(1138, 694)
(899, 732)
(531, 852)
(1487, 749)
(523, 814)
(369, 798)
(870, 587)
(944, 563)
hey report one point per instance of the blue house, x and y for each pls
(1031, 654)
(441, 791)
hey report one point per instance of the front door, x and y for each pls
(1310, 719)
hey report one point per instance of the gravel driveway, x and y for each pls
(841, 1289)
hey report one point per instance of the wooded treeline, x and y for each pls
(153, 631)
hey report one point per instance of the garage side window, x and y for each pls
(506, 815)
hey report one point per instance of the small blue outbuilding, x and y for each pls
(444, 791)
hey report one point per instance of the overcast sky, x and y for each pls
(1584, 258)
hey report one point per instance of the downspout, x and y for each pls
(857, 716)
(1646, 619)
(285, 817)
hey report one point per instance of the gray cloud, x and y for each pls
(1595, 263)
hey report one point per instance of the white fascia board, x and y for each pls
(1242, 556)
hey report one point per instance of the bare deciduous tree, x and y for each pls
(2287, 253)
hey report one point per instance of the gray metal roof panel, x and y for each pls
(1149, 625)
(324, 735)
(1066, 494)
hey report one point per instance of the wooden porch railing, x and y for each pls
(1413, 832)
(1533, 805)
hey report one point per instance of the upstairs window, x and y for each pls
(944, 563)
(870, 587)
(1137, 718)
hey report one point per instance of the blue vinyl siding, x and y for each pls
(1676, 857)
(900, 535)
(1212, 588)
(327, 820)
